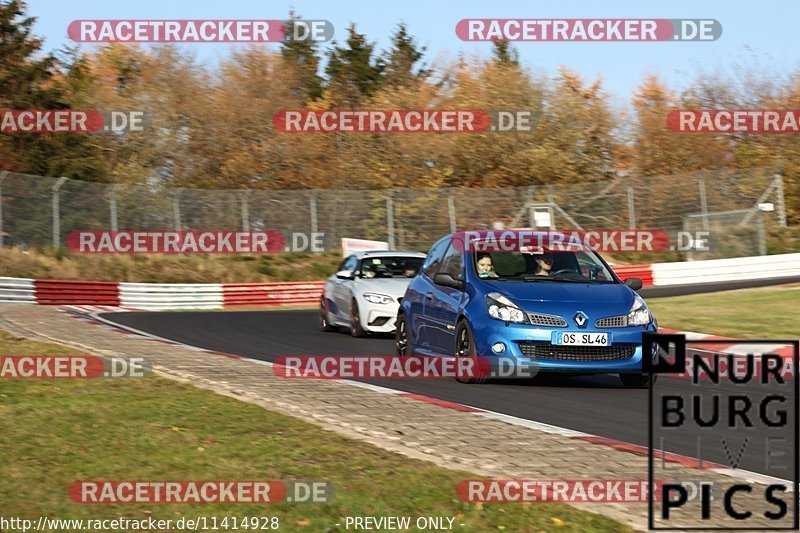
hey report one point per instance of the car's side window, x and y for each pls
(349, 263)
(434, 260)
(453, 263)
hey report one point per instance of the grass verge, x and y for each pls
(768, 312)
(58, 431)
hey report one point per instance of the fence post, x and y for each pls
(246, 209)
(631, 209)
(57, 213)
(112, 204)
(703, 202)
(313, 208)
(550, 203)
(762, 234)
(529, 202)
(781, 203)
(176, 208)
(3, 175)
(451, 210)
(390, 218)
(689, 252)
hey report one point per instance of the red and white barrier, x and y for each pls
(272, 294)
(160, 296)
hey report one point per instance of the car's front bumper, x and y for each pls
(490, 332)
(379, 318)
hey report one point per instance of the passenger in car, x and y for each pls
(485, 266)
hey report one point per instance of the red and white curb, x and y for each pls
(636, 449)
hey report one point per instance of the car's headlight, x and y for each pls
(375, 298)
(501, 308)
(639, 315)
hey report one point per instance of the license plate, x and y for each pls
(580, 338)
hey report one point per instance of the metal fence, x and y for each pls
(42, 211)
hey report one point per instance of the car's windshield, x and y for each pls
(390, 267)
(582, 266)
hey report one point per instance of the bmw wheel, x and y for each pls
(324, 324)
(355, 322)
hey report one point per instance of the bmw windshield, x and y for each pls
(582, 266)
(390, 267)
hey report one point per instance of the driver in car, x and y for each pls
(544, 264)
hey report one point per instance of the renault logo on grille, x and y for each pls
(580, 318)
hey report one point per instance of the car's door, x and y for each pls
(422, 293)
(442, 309)
(342, 290)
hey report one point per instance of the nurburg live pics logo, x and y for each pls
(747, 421)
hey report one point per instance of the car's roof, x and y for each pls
(388, 253)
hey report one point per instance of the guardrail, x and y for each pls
(17, 290)
(59, 292)
(161, 296)
(734, 269)
(155, 296)
(272, 294)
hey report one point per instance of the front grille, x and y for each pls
(543, 350)
(612, 322)
(538, 319)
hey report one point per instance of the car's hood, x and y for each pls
(395, 287)
(598, 300)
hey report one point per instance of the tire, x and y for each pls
(402, 343)
(637, 381)
(355, 322)
(324, 323)
(465, 347)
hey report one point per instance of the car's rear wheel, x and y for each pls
(355, 321)
(324, 323)
(637, 381)
(402, 346)
(465, 347)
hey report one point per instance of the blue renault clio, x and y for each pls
(547, 308)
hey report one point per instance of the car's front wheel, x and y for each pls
(324, 323)
(355, 321)
(402, 345)
(465, 347)
(637, 381)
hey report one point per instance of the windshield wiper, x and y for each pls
(568, 280)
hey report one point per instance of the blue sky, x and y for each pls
(761, 36)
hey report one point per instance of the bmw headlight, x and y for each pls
(375, 298)
(639, 315)
(501, 308)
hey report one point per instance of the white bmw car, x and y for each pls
(365, 293)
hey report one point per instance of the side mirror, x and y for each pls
(634, 283)
(446, 280)
(346, 274)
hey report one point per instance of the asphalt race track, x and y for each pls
(598, 405)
